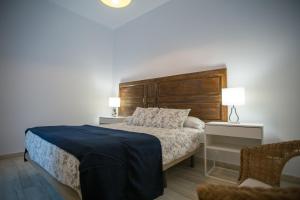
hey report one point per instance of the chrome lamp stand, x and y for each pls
(233, 110)
(114, 112)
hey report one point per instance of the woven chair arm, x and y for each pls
(265, 162)
(221, 192)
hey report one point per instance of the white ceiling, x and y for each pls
(109, 17)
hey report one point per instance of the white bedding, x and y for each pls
(175, 143)
(65, 167)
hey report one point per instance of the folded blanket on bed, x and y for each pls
(114, 164)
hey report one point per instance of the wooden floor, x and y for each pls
(21, 181)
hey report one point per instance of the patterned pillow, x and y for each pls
(142, 116)
(150, 115)
(170, 118)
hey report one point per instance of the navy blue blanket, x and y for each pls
(114, 164)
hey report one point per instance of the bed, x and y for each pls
(199, 91)
(175, 145)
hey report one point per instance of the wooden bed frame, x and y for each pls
(200, 91)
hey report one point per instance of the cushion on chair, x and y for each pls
(250, 182)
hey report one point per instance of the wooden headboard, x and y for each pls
(200, 91)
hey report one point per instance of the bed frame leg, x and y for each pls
(25, 160)
(165, 179)
(192, 162)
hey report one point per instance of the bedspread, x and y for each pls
(114, 164)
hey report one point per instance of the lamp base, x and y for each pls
(114, 112)
(237, 121)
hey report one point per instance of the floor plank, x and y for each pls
(20, 181)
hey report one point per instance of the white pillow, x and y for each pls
(142, 116)
(170, 118)
(194, 122)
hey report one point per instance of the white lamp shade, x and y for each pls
(114, 102)
(233, 96)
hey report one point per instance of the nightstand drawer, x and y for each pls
(235, 131)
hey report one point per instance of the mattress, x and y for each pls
(65, 167)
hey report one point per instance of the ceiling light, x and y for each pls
(116, 3)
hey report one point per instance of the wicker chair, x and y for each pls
(263, 163)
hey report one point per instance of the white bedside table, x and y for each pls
(229, 137)
(111, 120)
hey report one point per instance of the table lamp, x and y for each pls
(233, 97)
(114, 102)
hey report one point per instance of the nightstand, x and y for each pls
(111, 120)
(230, 138)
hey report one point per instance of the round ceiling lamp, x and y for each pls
(116, 3)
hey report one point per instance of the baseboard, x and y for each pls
(284, 177)
(12, 155)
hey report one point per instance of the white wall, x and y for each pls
(55, 68)
(258, 40)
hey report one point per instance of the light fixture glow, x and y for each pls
(116, 3)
